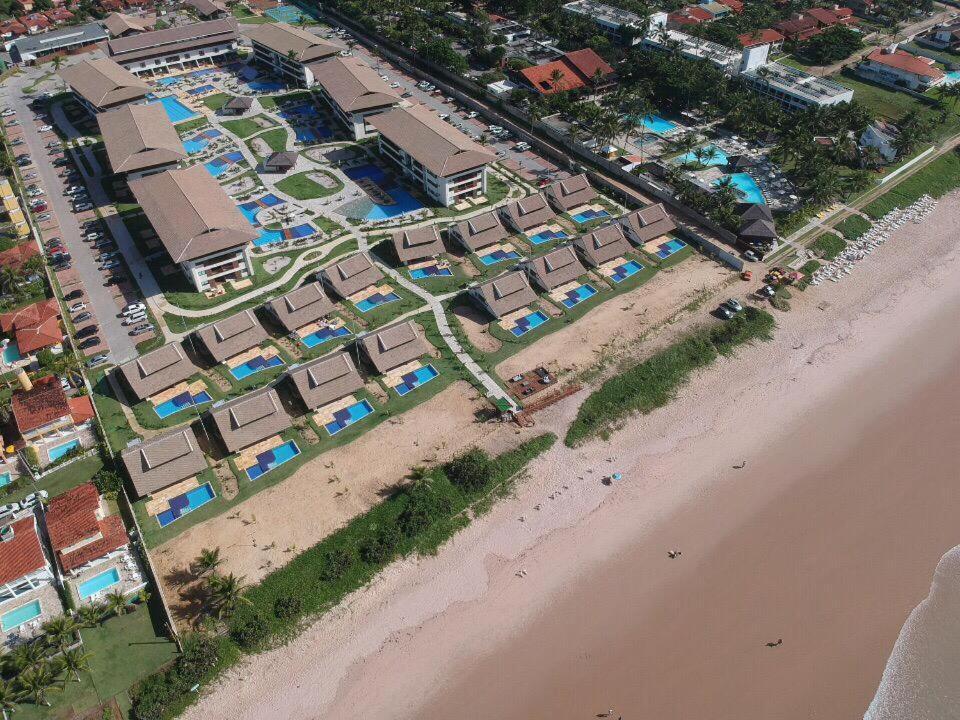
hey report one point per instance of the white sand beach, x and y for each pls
(827, 538)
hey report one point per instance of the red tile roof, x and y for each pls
(46, 334)
(698, 13)
(59, 15)
(35, 20)
(18, 255)
(42, 405)
(828, 17)
(81, 408)
(681, 19)
(766, 36)
(21, 554)
(575, 70)
(904, 61)
(29, 316)
(734, 5)
(114, 538)
(72, 516)
(588, 63)
(12, 27)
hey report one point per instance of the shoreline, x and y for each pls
(439, 618)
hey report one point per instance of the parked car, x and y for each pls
(82, 317)
(767, 291)
(54, 243)
(82, 207)
(751, 256)
(143, 326)
(134, 308)
(39, 207)
(45, 128)
(43, 217)
(134, 319)
(521, 147)
(109, 264)
(87, 331)
(105, 256)
(89, 343)
(140, 330)
(104, 244)
(94, 235)
(734, 305)
(33, 498)
(724, 312)
(115, 280)
(96, 360)
(8, 112)
(9, 509)
(77, 307)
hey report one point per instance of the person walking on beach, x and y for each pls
(775, 644)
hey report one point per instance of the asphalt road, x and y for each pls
(103, 305)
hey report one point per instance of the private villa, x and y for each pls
(289, 52)
(479, 232)
(354, 91)
(394, 346)
(175, 48)
(100, 85)
(417, 245)
(230, 337)
(603, 245)
(140, 140)
(555, 269)
(172, 458)
(156, 371)
(250, 419)
(325, 380)
(50, 422)
(646, 224)
(33, 328)
(351, 276)
(527, 214)
(504, 294)
(300, 310)
(568, 195)
(28, 595)
(892, 66)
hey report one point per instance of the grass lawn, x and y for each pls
(245, 127)
(217, 101)
(271, 103)
(936, 179)
(57, 482)
(118, 430)
(301, 187)
(276, 140)
(853, 227)
(122, 651)
(829, 245)
(190, 125)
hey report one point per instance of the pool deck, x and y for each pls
(247, 457)
(248, 355)
(50, 607)
(395, 376)
(160, 500)
(132, 576)
(194, 388)
(509, 321)
(309, 329)
(324, 415)
(362, 295)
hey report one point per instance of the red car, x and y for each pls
(39, 207)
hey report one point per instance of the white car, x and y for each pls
(82, 207)
(77, 307)
(521, 146)
(109, 264)
(472, 114)
(94, 236)
(133, 308)
(8, 112)
(134, 319)
(394, 85)
(33, 498)
(46, 128)
(9, 509)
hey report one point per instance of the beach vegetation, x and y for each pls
(829, 246)
(936, 179)
(655, 381)
(853, 227)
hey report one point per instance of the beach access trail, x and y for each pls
(827, 539)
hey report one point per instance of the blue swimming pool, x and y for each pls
(348, 416)
(168, 81)
(747, 189)
(292, 233)
(11, 353)
(220, 164)
(670, 247)
(403, 202)
(200, 141)
(323, 335)
(181, 402)
(413, 380)
(622, 272)
(657, 125)
(498, 256)
(578, 295)
(270, 459)
(59, 451)
(186, 503)
(709, 155)
(265, 86)
(430, 271)
(16, 618)
(952, 76)
(546, 236)
(200, 90)
(5, 478)
(289, 14)
(99, 583)
(376, 300)
(176, 110)
(257, 364)
(590, 215)
(528, 322)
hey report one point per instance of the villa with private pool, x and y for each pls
(54, 424)
(28, 595)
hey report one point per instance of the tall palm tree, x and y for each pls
(60, 631)
(8, 697)
(117, 603)
(208, 561)
(36, 682)
(26, 656)
(90, 615)
(226, 593)
(73, 662)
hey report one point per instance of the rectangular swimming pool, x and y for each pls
(589, 215)
(181, 402)
(430, 271)
(628, 269)
(498, 256)
(376, 300)
(546, 236)
(413, 380)
(578, 295)
(59, 451)
(669, 248)
(710, 155)
(348, 416)
(176, 110)
(657, 125)
(528, 322)
(255, 365)
(186, 503)
(270, 459)
(19, 616)
(99, 583)
(5, 478)
(323, 335)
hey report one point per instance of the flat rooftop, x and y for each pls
(797, 82)
(48, 42)
(607, 14)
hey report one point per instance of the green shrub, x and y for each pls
(470, 471)
(250, 630)
(425, 504)
(336, 562)
(108, 481)
(287, 607)
(382, 545)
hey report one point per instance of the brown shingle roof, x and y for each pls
(207, 8)
(353, 85)
(417, 243)
(648, 223)
(438, 146)
(282, 160)
(529, 212)
(171, 40)
(140, 136)
(239, 103)
(249, 419)
(480, 231)
(163, 460)
(506, 293)
(300, 307)
(570, 193)
(103, 83)
(393, 346)
(282, 38)
(556, 268)
(117, 24)
(602, 245)
(21, 554)
(44, 404)
(325, 379)
(191, 213)
(231, 336)
(157, 370)
(352, 275)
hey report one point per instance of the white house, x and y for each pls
(881, 135)
(892, 66)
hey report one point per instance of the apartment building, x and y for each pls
(289, 52)
(140, 140)
(100, 85)
(354, 91)
(175, 48)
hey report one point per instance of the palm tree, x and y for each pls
(36, 683)
(73, 662)
(57, 62)
(555, 77)
(117, 603)
(26, 656)
(207, 561)
(226, 593)
(8, 697)
(90, 615)
(60, 631)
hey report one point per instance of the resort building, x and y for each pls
(660, 37)
(792, 88)
(140, 140)
(602, 245)
(892, 66)
(394, 346)
(504, 294)
(510, 30)
(208, 9)
(527, 213)
(646, 224)
(231, 336)
(198, 224)
(350, 276)
(249, 419)
(757, 228)
(479, 231)
(288, 51)
(354, 92)
(163, 460)
(417, 244)
(29, 49)
(571, 71)
(176, 48)
(34, 327)
(237, 105)
(101, 84)
(444, 162)
(300, 307)
(156, 370)
(50, 422)
(120, 25)
(280, 162)
(569, 194)
(28, 596)
(621, 26)
(325, 380)
(558, 267)
(91, 545)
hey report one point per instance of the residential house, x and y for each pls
(35, 327)
(49, 421)
(59, 16)
(198, 225)
(417, 244)
(140, 140)
(571, 193)
(556, 268)
(176, 48)
(354, 91)
(394, 346)
(100, 85)
(436, 156)
(350, 276)
(300, 307)
(163, 460)
(249, 419)
(646, 224)
(121, 25)
(503, 294)
(881, 135)
(11, 29)
(231, 336)
(603, 245)
(18, 256)
(767, 36)
(155, 371)
(898, 68)
(35, 23)
(575, 70)
(814, 21)
(527, 213)
(289, 52)
(208, 9)
(479, 232)
(621, 26)
(946, 35)
(325, 380)
(28, 595)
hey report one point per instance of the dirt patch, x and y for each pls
(474, 323)
(261, 147)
